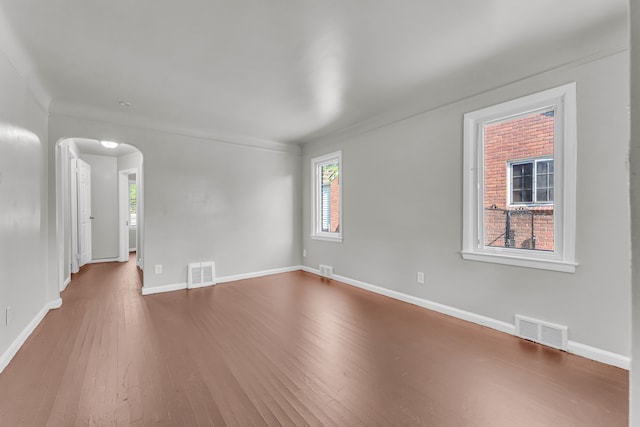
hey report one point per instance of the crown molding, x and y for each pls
(425, 103)
(143, 123)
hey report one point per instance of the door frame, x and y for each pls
(59, 225)
(123, 211)
(73, 214)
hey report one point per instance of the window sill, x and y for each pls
(539, 263)
(327, 238)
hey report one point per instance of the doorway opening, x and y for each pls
(100, 204)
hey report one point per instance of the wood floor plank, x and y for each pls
(290, 349)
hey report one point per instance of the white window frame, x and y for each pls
(535, 162)
(562, 100)
(316, 192)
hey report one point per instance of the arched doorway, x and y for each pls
(100, 204)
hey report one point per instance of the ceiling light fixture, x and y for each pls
(109, 144)
(125, 103)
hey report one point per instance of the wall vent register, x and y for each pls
(541, 332)
(201, 274)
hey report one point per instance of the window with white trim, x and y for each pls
(133, 204)
(327, 197)
(520, 181)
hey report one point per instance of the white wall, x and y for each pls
(130, 161)
(634, 379)
(23, 203)
(208, 200)
(402, 212)
(104, 206)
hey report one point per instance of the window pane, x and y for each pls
(324, 212)
(517, 196)
(517, 183)
(544, 181)
(541, 181)
(330, 198)
(133, 207)
(543, 167)
(512, 182)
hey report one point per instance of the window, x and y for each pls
(327, 197)
(519, 183)
(133, 197)
(528, 188)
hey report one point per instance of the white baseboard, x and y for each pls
(66, 283)
(203, 285)
(223, 279)
(599, 355)
(165, 288)
(573, 347)
(253, 275)
(26, 332)
(98, 261)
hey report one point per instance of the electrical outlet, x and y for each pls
(420, 278)
(9, 313)
(158, 268)
(304, 252)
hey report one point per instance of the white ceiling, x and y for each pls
(92, 146)
(293, 70)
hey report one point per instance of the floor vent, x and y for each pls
(326, 271)
(541, 332)
(201, 274)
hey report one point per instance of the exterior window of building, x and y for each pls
(520, 182)
(327, 197)
(529, 188)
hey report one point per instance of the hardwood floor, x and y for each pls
(288, 349)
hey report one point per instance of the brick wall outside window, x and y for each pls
(334, 214)
(528, 137)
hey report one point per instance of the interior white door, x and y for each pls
(84, 211)
(73, 211)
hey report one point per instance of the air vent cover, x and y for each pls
(553, 336)
(542, 332)
(201, 274)
(326, 271)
